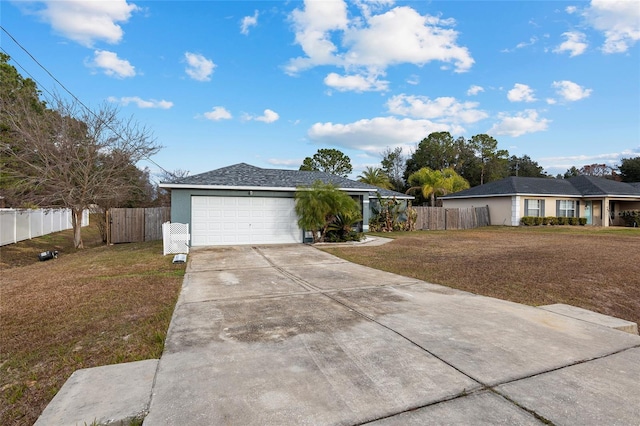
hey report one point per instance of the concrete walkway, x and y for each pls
(290, 335)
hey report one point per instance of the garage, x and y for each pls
(243, 220)
(244, 204)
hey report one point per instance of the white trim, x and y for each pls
(250, 188)
(515, 209)
(515, 194)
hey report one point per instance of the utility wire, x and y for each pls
(66, 90)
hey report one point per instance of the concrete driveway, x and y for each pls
(290, 335)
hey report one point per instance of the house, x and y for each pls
(244, 204)
(598, 200)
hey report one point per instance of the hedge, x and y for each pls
(552, 220)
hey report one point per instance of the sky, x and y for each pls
(268, 83)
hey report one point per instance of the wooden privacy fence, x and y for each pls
(440, 218)
(136, 224)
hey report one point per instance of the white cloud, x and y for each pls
(445, 109)
(562, 163)
(374, 135)
(571, 9)
(413, 79)
(520, 124)
(356, 83)
(86, 22)
(368, 44)
(474, 90)
(523, 44)
(571, 91)
(248, 22)
(575, 43)
(313, 26)
(218, 113)
(142, 103)
(289, 163)
(111, 65)
(521, 93)
(198, 67)
(618, 20)
(269, 116)
(402, 35)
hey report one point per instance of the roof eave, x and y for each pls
(249, 188)
(521, 194)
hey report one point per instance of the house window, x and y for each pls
(566, 208)
(534, 208)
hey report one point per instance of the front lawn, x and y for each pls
(97, 306)
(593, 268)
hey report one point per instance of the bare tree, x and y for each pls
(73, 157)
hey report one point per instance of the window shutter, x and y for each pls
(526, 207)
(542, 208)
(577, 213)
(557, 207)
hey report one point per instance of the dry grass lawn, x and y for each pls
(593, 268)
(97, 306)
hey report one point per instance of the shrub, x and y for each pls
(537, 221)
(323, 205)
(550, 220)
(390, 214)
(573, 221)
(630, 217)
(582, 221)
(527, 220)
(563, 220)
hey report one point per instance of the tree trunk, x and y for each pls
(76, 222)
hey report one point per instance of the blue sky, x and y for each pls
(269, 83)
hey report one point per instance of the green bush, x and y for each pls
(630, 217)
(537, 221)
(583, 221)
(527, 220)
(563, 220)
(573, 221)
(550, 220)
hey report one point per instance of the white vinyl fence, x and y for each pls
(175, 238)
(19, 225)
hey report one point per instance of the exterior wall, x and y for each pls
(508, 210)
(181, 201)
(500, 208)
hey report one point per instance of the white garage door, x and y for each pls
(243, 220)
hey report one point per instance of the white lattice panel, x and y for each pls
(175, 238)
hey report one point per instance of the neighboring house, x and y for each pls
(597, 199)
(244, 204)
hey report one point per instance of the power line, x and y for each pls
(65, 89)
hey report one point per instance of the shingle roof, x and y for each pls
(579, 186)
(591, 185)
(244, 175)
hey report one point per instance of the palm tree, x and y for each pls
(435, 182)
(318, 207)
(375, 176)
